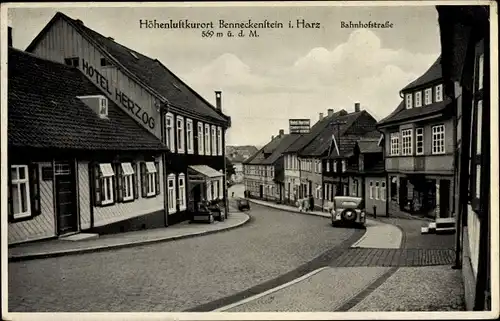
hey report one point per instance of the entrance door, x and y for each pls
(444, 198)
(261, 191)
(67, 218)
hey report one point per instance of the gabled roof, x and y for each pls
(284, 143)
(369, 145)
(150, 72)
(432, 74)
(266, 151)
(44, 111)
(315, 130)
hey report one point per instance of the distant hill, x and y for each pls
(238, 154)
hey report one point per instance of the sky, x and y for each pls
(285, 72)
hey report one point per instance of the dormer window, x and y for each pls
(439, 93)
(105, 62)
(409, 101)
(418, 99)
(73, 61)
(428, 96)
(103, 107)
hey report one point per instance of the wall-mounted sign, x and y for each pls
(299, 126)
(101, 81)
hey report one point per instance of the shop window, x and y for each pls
(394, 144)
(207, 140)
(150, 179)
(371, 190)
(409, 101)
(377, 191)
(419, 138)
(127, 181)
(418, 99)
(406, 137)
(438, 139)
(439, 93)
(382, 191)
(201, 141)
(180, 134)
(428, 96)
(189, 135)
(24, 192)
(169, 131)
(172, 208)
(182, 192)
(107, 183)
(219, 141)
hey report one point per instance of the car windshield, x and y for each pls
(349, 203)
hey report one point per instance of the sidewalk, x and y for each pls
(370, 279)
(58, 247)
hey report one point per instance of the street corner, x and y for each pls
(380, 235)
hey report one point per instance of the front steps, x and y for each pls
(440, 226)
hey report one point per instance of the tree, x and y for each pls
(230, 171)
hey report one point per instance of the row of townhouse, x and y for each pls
(104, 139)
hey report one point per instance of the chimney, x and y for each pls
(330, 112)
(357, 108)
(9, 36)
(282, 132)
(272, 137)
(320, 116)
(218, 100)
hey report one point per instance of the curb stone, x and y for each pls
(44, 255)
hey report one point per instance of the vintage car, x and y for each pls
(348, 210)
(243, 204)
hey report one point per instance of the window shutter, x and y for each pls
(119, 185)
(34, 177)
(136, 181)
(97, 185)
(9, 192)
(157, 177)
(144, 182)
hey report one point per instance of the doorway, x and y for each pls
(261, 191)
(65, 192)
(444, 198)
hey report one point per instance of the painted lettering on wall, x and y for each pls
(125, 101)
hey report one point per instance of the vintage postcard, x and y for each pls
(249, 160)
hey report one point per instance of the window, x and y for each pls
(182, 192)
(189, 134)
(382, 191)
(438, 139)
(334, 166)
(439, 93)
(344, 165)
(207, 139)
(394, 144)
(128, 181)
(180, 134)
(150, 180)
(73, 62)
(107, 175)
(172, 208)
(418, 99)
(20, 192)
(481, 72)
(219, 141)
(371, 190)
(377, 191)
(216, 189)
(201, 145)
(428, 96)
(327, 165)
(169, 131)
(105, 62)
(103, 107)
(409, 101)
(214, 141)
(354, 189)
(419, 138)
(221, 184)
(209, 190)
(406, 136)
(479, 117)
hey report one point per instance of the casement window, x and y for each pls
(394, 144)
(319, 167)
(127, 181)
(371, 190)
(190, 136)
(428, 96)
(409, 101)
(214, 141)
(169, 131)
(172, 206)
(150, 179)
(407, 146)
(438, 139)
(377, 191)
(327, 165)
(382, 191)
(419, 141)
(334, 166)
(219, 141)
(201, 140)
(180, 134)
(106, 178)
(24, 192)
(344, 165)
(182, 192)
(439, 93)
(207, 139)
(418, 99)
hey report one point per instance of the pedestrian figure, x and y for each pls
(232, 194)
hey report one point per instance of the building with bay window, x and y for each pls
(77, 162)
(465, 50)
(146, 90)
(419, 143)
